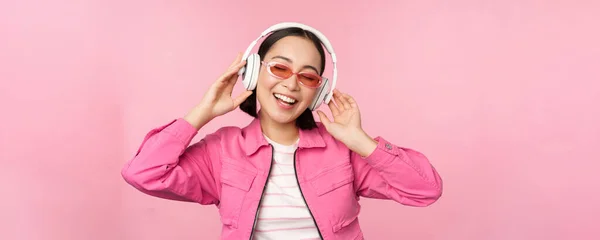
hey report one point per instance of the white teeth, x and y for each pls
(285, 99)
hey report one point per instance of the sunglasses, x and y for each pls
(282, 71)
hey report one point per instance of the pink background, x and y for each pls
(501, 95)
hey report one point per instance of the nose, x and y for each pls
(291, 83)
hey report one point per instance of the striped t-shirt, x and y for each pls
(283, 213)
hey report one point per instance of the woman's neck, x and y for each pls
(282, 133)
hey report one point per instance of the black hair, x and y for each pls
(306, 119)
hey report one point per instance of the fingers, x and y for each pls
(232, 72)
(350, 100)
(323, 118)
(234, 67)
(340, 100)
(334, 109)
(241, 98)
(226, 82)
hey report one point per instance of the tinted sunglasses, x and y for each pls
(282, 71)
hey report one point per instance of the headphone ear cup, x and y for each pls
(322, 92)
(250, 75)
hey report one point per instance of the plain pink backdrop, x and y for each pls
(502, 96)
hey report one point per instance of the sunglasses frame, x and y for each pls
(270, 64)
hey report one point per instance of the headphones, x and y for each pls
(250, 71)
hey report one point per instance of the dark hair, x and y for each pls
(306, 119)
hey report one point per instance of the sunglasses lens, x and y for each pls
(309, 79)
(281, 70)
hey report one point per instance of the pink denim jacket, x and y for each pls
(230, 167)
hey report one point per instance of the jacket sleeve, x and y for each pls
(165, 167)
(400, 174)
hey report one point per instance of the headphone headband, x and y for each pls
(317, 33)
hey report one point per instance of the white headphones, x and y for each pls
(249, 72)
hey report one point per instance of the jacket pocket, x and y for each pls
(333, 178)
(347, 226)
(235, 184)
(345, 223)
(334, 188)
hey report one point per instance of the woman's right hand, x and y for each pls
(218, 100)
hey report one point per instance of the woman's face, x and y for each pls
(283, 100)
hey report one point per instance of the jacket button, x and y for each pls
(388, 146)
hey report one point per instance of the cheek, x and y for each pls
(261, 94)
(263, 87)
(308, 95)
(266, 81)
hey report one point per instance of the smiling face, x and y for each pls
(284, 99)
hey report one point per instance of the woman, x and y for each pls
(284, 176)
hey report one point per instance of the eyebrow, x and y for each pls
(290, 61)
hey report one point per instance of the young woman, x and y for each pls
(283, 176)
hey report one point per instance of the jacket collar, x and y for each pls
(254, 139)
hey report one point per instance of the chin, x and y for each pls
(279, 118)
(284, 109)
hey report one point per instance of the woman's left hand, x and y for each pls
(346, 125)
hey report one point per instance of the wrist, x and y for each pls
(198, 116)
(362, 144)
